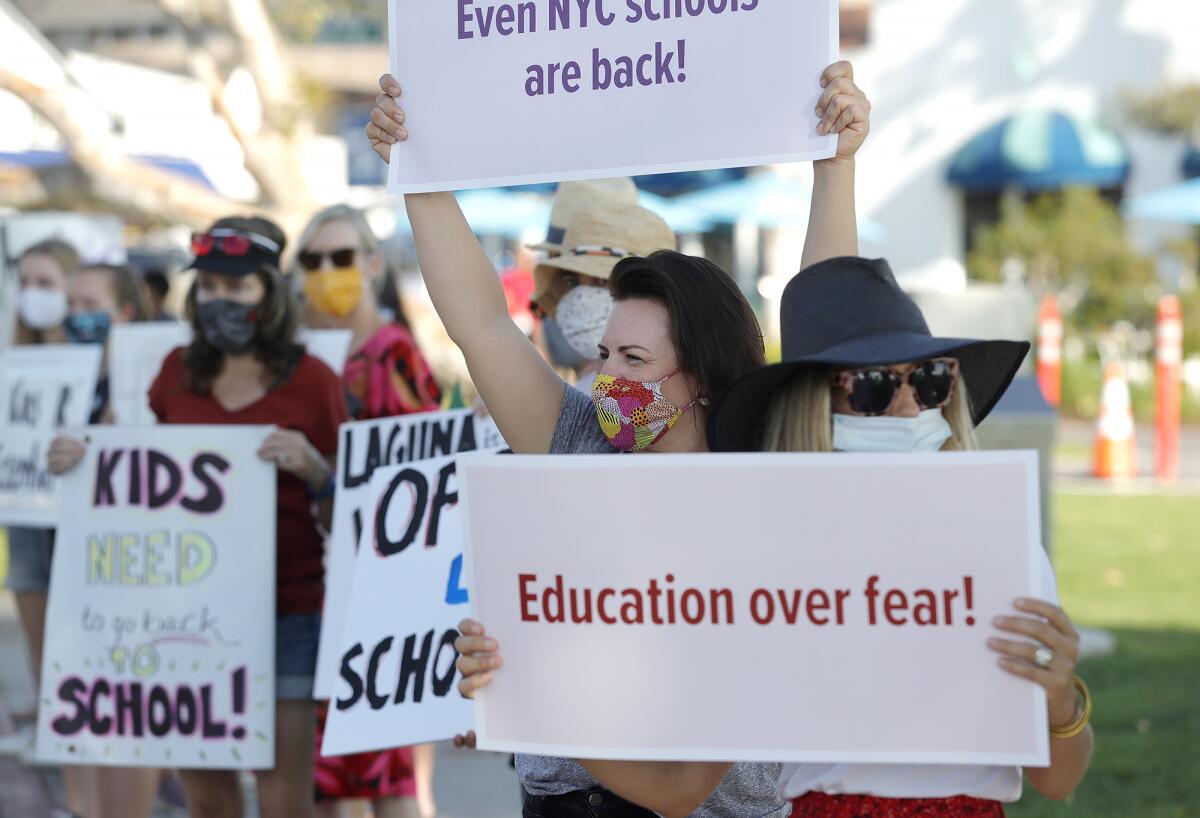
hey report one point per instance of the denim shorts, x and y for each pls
(30, 552)
(296, 637)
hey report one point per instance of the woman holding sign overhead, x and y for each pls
(861, 373)
(343, 272)
(679, 332)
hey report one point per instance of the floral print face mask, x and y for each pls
(633, 415)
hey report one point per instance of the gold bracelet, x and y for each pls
(1076, 727)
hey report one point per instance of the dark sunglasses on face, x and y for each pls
(341, 258)
(872, 390)
(230, 243)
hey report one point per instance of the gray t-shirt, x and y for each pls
(748, 790)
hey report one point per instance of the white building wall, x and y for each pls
(941, 71)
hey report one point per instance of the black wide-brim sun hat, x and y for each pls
(850, 312)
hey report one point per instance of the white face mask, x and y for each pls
(42, 309)
(582, 314)
(891, 435)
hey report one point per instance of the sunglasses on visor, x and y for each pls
(230, 243)
(872, 390)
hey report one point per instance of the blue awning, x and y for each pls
(1177, 203)
(46, 160)
(1041, 151)
(1191, 162)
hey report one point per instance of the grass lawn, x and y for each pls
(1131, 565)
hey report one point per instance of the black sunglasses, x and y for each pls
(341, 258)
(872, 390)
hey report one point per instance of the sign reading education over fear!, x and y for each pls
(160, 629)
(44, 388)
(397, 682)
(363, 448)
(810, 608)
(550, 90)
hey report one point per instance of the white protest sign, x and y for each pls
(595, 88)
(160, 646)
(363, 447)
(330, 345)
(815, 608)
(397, 679)
(136, 353)
(44, 388)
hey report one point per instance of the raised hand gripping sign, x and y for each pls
(550, 90)
(397, 682)
(43, 388)
(160, 628)
(809, 608)
(363, 448)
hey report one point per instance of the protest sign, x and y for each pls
(44, 388)
(160, 641)
(397, 682)
(136, 353)
(364, 447)
(593, 88)
(824, 608)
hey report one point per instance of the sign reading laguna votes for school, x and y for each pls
(550, 90)
(811, 608)
(160, 632)
(363, 448)
(44, 388)
(397, 681)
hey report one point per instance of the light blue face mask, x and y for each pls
(926, 432)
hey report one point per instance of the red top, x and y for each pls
(310, 401)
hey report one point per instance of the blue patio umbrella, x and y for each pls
(1041, 150)
(36, 160)
(766, 200)
(678, 215)
(1177, 203)
(1191, 161)
(497, 212)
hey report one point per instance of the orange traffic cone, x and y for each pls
(1116, 449)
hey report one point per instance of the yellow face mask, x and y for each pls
(335, 292)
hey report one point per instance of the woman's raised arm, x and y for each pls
(521, 391)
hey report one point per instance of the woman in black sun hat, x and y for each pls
(862, 373)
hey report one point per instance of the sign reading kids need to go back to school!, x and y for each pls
(810, 608)
(160, 629)
(500, 92)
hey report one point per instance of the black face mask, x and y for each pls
(228, 325)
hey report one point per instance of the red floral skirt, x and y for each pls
(383, 774)
(820, 805)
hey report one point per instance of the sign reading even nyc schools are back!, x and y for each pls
(397, 681)
(160, 629)
(550, 90)
(811, 608)
(44, 388)
(363, 448)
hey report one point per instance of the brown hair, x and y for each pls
(126, 287)
(67, 259)
(275, 344)
(713, 328)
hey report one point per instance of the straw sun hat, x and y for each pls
(598, 238)
(573, 198)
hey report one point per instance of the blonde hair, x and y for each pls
(799, 416)
(367, 240)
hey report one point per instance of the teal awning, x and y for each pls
(1041, 150)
